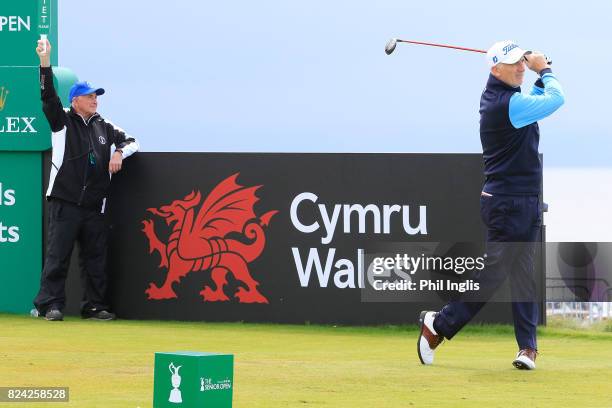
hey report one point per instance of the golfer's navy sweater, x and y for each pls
(510, 135)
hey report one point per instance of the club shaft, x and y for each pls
(443, 46)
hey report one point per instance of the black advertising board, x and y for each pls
(278, 237)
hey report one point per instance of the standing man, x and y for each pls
(87, 150)
(509, 203)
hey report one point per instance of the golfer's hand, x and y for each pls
(44, 54)
(115, 163)
(536, 62)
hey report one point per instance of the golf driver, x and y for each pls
(392, 43)
(390, 47)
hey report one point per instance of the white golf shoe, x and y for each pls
(428, 339)
(525, 359)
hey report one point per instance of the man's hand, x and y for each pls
(44, 54)
(536, 62)
(115, 163)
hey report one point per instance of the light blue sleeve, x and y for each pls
(526, 109)
(536, 90)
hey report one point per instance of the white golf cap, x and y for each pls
(504, 52)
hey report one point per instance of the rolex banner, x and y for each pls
(279, 237)
(22, 123)
(23, 126)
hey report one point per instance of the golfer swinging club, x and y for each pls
(509, 203)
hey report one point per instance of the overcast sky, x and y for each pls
(312, 76)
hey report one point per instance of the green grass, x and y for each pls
(110, 364)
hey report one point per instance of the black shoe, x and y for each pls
(54, 315)
(99, 315)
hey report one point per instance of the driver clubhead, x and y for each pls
(390, 47)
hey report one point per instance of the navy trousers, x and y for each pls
(513, 226)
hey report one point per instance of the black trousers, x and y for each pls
(69, 223)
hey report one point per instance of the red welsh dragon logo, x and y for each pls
(200, 240)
